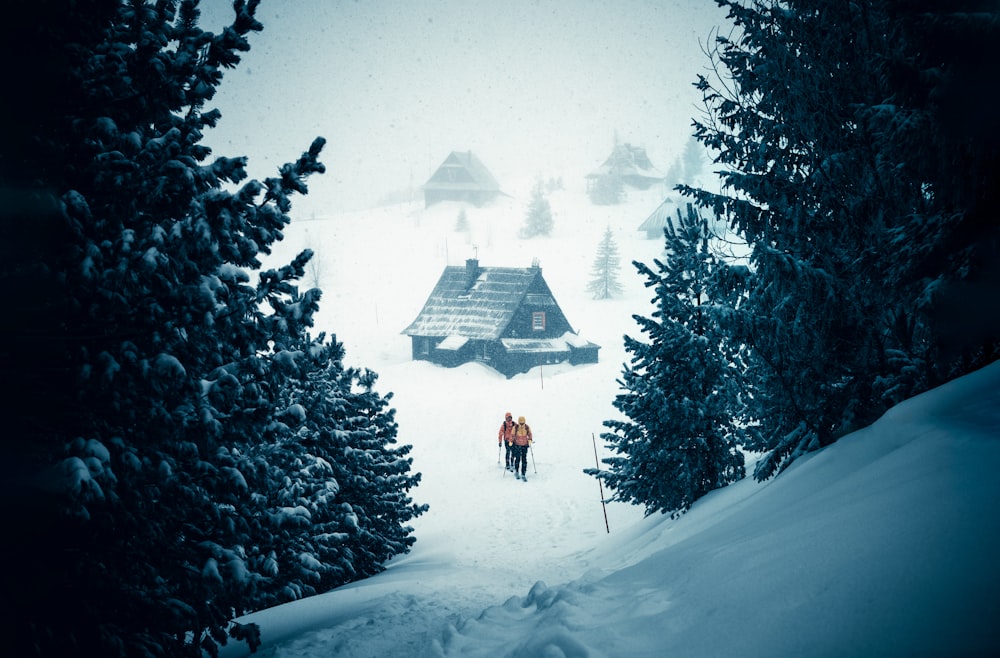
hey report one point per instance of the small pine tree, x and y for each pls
(680, 392)
(693, 161)
(538, 219)
(604, 274)
(462, 222)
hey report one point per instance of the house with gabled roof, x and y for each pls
(461, 177)
(657, 220)
(503, 317)
(631, 165)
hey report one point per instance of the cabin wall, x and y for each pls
(424, 348)
(494, 355)
(521, 325)
(579, 355)
(421, 347)
(510, 364)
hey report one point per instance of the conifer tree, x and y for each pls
(538, 218)
(939, 66)
(331, 504)
(171, 465)
(604, 273)
(681, 388)
(693, 161)
(462, 221)
(675, 174)
(836, 174)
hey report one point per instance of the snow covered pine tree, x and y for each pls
(180, 455)
(681, 388)
(538, 217)
(855, 169)
(604, 272)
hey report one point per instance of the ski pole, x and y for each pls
(498, 453)
(532, 451)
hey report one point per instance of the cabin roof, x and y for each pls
(474, 302)
(627, 160)
(462, 170)
(658, 218)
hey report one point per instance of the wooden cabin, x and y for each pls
(461, 177)
(657, 220)
(503, 317)
(631, 165)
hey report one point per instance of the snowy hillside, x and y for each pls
(880, 545)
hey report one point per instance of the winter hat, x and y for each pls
(520, 419)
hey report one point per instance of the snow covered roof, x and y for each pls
(576, 340)
(474, 302)
(547, 345)
(658, 218)
(628, 161)
(453, 343)
(462, 170)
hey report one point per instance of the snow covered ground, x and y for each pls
(883, 544)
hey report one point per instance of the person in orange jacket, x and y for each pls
(506, 437)
(521, 439)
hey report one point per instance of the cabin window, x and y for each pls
(538, 321)
(423, 346)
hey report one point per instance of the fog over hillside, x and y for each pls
(532, 87)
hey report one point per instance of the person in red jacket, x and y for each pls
(521, 440)
(506, 436)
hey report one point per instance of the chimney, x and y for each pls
(471, 271)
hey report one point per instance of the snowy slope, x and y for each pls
(880, 545)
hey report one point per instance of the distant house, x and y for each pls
(657, 220)
(631, 165)
(461, 177)
(503, 317)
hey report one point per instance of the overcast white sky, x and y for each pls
(531, 86)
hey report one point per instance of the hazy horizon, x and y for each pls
(533, 87)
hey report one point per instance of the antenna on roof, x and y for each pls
(475, 251)
(535, 263)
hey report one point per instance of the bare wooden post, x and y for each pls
(599, 485)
